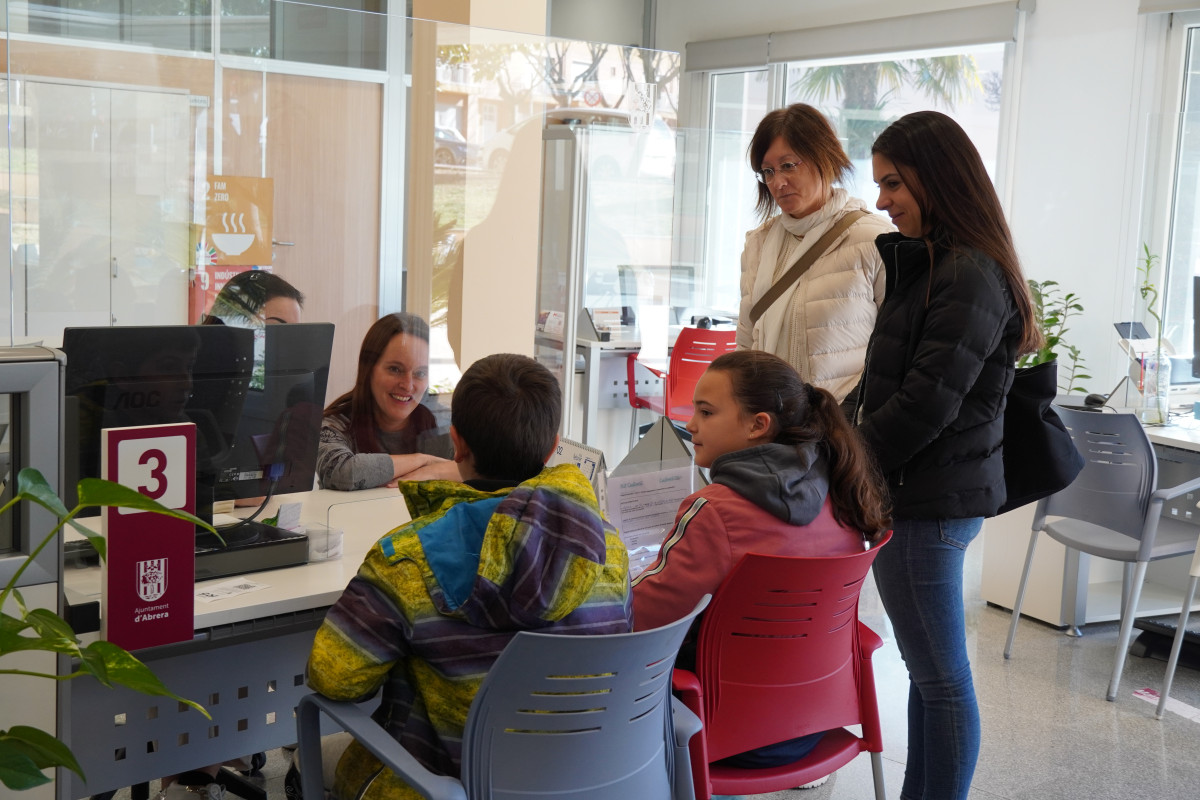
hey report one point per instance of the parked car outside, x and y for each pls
(449, 146)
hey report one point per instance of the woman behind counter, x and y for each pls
(820, 325)
(373, 435)
(956, 317)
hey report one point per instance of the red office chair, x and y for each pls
(694, 350)
(782, 654)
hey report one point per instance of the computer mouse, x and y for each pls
(1095, 400)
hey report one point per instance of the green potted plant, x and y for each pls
(26, 751)
(1053, 308)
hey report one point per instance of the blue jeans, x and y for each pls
(920, 579)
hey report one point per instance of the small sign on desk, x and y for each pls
(147, 579)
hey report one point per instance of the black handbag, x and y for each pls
(1039, 456)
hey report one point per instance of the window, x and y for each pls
(1178, 274)
(861, 98)
(738, 101)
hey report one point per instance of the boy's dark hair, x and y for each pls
(507, 409)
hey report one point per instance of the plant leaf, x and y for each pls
(17, 770)
(97, 492)
(92, 660)
(32, 486)
(49, 624)
(98, 541)
(123, 668)
(42, 748)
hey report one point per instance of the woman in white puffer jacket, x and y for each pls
(820, 324)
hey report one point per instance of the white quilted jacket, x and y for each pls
(822, 326)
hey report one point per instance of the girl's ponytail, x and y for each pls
(855, 485)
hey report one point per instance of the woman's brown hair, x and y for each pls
(946, 176)
(358, 404)
(802, 414)
(810, 136)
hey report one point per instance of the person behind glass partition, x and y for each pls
(820, 324)
(375, 434)
(956, 317)
(255, 298)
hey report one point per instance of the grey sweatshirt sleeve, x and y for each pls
(340, 467)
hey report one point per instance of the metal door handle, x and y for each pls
(283, 244)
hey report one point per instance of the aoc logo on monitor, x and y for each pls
(152, 579)
(150, 399)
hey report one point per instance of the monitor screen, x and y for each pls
(280, 422)
(124, 376)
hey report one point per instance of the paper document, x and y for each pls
(646, 503)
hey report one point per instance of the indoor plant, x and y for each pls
(1052, 308)
(24, 750)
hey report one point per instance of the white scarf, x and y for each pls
(796, 236)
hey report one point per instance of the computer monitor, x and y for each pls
(125, 376)
(278, 431)
(672, 285)
(256, 396)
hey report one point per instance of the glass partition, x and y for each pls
(375, 163)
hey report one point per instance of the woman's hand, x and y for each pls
(423, 467)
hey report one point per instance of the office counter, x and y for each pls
(245, 664)
(1069, 589)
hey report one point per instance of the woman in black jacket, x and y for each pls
(956, 315)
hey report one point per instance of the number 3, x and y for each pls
(157, 472)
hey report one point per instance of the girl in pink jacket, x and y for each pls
(789, 477)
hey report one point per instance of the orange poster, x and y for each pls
(238, 220)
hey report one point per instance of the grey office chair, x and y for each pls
(557, 716)
(1113, 510)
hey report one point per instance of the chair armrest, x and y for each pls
(1175, 491)
(868, 640)
(686, 723)
(686, 686)
(369, 734)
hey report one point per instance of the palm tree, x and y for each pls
(945, 80)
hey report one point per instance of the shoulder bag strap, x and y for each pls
(806, 261)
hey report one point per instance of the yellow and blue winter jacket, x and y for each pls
(436, 600)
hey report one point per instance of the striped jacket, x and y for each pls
(436, 600)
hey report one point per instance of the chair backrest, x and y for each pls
(576, 716)
(778, 654)
(694, 350)
(1119, 474)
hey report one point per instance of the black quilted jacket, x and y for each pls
(939, 365)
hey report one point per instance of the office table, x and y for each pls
(245, 664)
(1065, 588)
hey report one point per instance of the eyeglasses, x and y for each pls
(767, 175)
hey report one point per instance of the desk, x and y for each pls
(245, 664)
(1065, 589)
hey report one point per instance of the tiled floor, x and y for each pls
(1048, 732)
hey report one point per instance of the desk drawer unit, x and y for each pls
(249, 676)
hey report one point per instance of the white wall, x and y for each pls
(611, 21)
(1076, 171)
